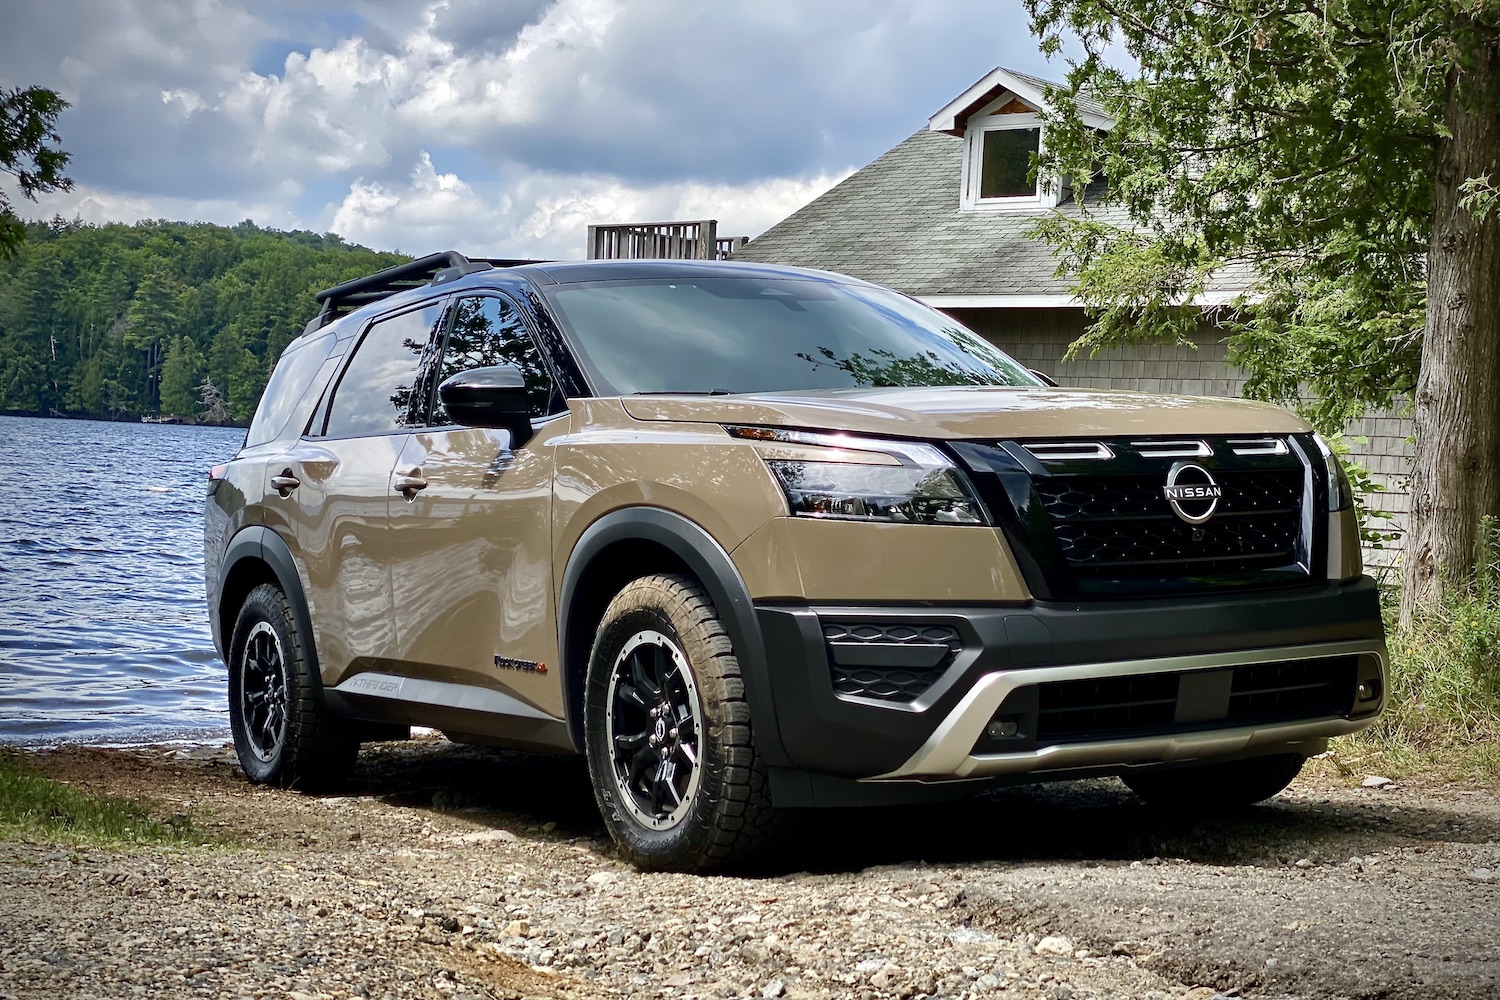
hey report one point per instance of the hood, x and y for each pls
(976, 412)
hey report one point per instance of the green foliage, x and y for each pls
(1293, 141)
(28, 153)
(36, 808)
(1444, 697)
(118, 321)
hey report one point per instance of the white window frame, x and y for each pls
(974, 133)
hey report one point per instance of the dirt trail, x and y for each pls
(454, 872)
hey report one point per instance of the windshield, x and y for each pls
(758, 334)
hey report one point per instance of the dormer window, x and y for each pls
(1000, 123)
(999, 146)
(998, 152)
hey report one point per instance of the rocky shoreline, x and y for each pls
(452, 872)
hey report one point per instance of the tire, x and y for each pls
(667, 731)
(283, 734)
(1217, 786)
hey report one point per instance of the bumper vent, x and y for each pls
(1158, 704)
(888, 661)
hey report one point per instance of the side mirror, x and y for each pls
(490, 397)
(1046, 379)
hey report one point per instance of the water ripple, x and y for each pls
(103, 632)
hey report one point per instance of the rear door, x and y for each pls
(338, 492)
(471, 547)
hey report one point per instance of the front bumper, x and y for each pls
(1171, 680)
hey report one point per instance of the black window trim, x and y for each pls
(436, 357)
(325, 407)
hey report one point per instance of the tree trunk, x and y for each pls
(1456, 473)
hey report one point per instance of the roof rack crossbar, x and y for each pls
(434, 269)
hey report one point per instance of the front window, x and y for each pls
(1000, 151)
(704, 333)
(1005, 162)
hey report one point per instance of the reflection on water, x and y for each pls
(103, 633)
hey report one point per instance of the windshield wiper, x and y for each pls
(683, 392)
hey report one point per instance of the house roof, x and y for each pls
(897, 222)
(953, 116)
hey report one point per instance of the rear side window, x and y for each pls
(488, 331)
(290, 381)
(374, 395)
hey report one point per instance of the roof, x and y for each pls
(953, 116)
(897, 222)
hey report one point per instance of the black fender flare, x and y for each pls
(708, 561)
(265, 546)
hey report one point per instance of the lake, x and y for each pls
(103, 632)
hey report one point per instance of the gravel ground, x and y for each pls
(455, 872)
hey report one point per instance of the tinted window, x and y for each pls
(375, 394)
(758, 334)
(1006, 168)
(290, 380)
(488, 331)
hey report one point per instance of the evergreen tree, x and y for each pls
(1348, 154)
(180, 374)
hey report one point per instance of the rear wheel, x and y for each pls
(282, 733)
(1217, 786)
(670, 750)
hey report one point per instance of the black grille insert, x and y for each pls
(888, 661)
(1155, 704)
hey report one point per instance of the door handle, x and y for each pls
(408, 486)
(285, 483)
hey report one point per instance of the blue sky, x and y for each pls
(498, 127)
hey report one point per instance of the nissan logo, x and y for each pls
(1192, 493)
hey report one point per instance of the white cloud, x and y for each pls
(547, 215)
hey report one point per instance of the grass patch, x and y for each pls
(36, 808)
(1443, 709)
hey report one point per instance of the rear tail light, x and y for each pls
(216, 476)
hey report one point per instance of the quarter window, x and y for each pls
(488, 331)
(375, 394)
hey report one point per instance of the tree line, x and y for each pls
(183, 320)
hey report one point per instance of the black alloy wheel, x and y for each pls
(654, 720)
(263, 692)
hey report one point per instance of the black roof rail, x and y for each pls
(434, 269)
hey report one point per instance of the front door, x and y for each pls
(471, 541)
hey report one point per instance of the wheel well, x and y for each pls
(244, 576)
(611, 568)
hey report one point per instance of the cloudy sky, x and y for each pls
(498, 127)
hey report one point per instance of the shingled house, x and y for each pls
(943, 217)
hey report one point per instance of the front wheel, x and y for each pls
(283, 735)
(1217, 786)
(667, 730)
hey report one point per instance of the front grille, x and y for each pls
(888, 661)
(1122, 525)
(1154, 704)
(1095, 521)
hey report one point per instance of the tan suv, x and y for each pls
(755, 539)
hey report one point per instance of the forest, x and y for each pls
(159, 319)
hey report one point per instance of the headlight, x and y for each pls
(1340, 496)
(866, 479)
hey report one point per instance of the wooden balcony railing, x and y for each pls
(697, 240)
